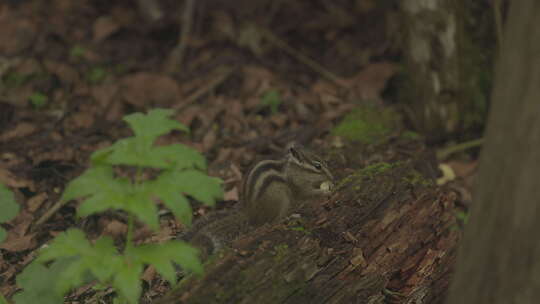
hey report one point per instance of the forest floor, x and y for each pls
(252, 77)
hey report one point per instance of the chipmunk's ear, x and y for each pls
(296, 152)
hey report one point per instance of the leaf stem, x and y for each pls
(129, 238)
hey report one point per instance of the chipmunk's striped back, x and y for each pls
(272, 187)
(260, 176)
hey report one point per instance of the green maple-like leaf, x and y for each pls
(9, 207)
(102, 191)
(153, 124)
(39, 283)
(127, 280)
(162, 256)
(133, 151)
(101, 260)
(172, 186)
(200, 186)
(180, 157)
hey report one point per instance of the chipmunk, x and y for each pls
(272, 190)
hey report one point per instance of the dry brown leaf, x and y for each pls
(231, 195)
(103, 27)
(66, 73)
(16, 243)
(209, 140)
(149, 274)
(63, 154)
(223, 155)
(237, 173)
(16, 33)
(115, 229)
(115, 112)
(82, 120)
(369, 83)
(235, 108)
(337, 112)
(211, 114)
(9, 160)
(81, 89)
(79, 291)
(463, 168)
(104, 94)
(164, 234)
(188, 114)
(29, 67)
(142, 234)
(21, 223)
(323, 87)
(254, 77)
(36, 201)
(9, 179)
(142, 89)
(279, 119)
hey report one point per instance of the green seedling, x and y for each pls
(96, 75)
(181, 174)
(38, 100)
(77, 51)
(271, 99)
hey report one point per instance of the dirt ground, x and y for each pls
(246, 77)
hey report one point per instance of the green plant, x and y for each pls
(9, 208)
(15, 80)
(38, 100)
(462, 216)
(368, 124)
(271, 99)
(77, 51)
(78, 261)
(96, 75)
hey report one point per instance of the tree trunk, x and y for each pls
(500, 257)
(431, 58)
(443, 89)
(386, 236)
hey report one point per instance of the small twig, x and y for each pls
(47, 215)
(300, 57)
(223, 75)
(444, 153)
(177, 54)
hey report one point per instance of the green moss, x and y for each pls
(367, 172)
(410, 135)
(281, 251)
(375, 169)
(300, 228)
(368, 124)
(415, 178)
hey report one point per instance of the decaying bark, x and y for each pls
(386, 236)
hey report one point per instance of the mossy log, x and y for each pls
(387, 235)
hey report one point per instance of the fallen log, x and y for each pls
(387, 235)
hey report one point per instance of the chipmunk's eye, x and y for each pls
(317, 165)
